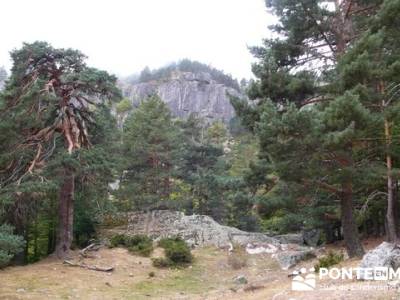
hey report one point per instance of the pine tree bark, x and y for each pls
(350, 231)
(65, 214)
(392, 231)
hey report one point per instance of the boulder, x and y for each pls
(385, 255)
(290, 238)
(312, 237)
(288, 259)
(196, 230)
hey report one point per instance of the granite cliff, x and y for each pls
(186, 93)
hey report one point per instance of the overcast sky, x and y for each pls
(123, 36)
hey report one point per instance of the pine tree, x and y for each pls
(50, 96)
(371, 70)
(150, 148)
(299, 67)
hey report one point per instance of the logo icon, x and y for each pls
(303, 280)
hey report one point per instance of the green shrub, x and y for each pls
(328, 260)
(138, 244)
(117, 240)
(167, 242)
(10, 244)
(177, 253)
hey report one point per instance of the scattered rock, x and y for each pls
(241, 279)
(21, 290)
(130, 274)
(312, 237)
(385, 255)
(289, 259)
(260, 248)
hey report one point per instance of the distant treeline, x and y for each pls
(185, 65)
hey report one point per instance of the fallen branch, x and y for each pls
(89, 267)
(91, 247)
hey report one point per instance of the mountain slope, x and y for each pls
(186, 92)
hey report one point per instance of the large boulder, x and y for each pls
(288, 259)
(196, 230)
(385, 255)
(312, 237)
(290, 238)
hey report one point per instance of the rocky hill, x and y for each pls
(187, 92)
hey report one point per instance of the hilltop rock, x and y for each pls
(196, 230)
(186, 93)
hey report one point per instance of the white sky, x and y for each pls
(123, 36)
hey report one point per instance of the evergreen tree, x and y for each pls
(49, 101)
(299, 67)
(370, 69)
(151, 148)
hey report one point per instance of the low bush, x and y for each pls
(177, 253)
(138, 244)
(117, 240)
(329, 260)
(167, 242)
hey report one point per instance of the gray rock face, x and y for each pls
(186, 93)
(290, 238)
(196, 230)
(385, 255)
(289, 259)
(312, 237)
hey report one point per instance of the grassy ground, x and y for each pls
(209, 277)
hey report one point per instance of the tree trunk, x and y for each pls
(350, 231)
(392, 234)
(65, 214)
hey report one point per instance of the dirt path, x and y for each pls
(210, 277)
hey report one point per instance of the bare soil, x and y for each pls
(209, 277)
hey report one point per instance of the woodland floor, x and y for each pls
(210, 277)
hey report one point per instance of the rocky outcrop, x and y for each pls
(200, 230)
(196, 230)
(187, 93)
(312, 237)
(288, 259)
(290, 238)
(385, 255)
